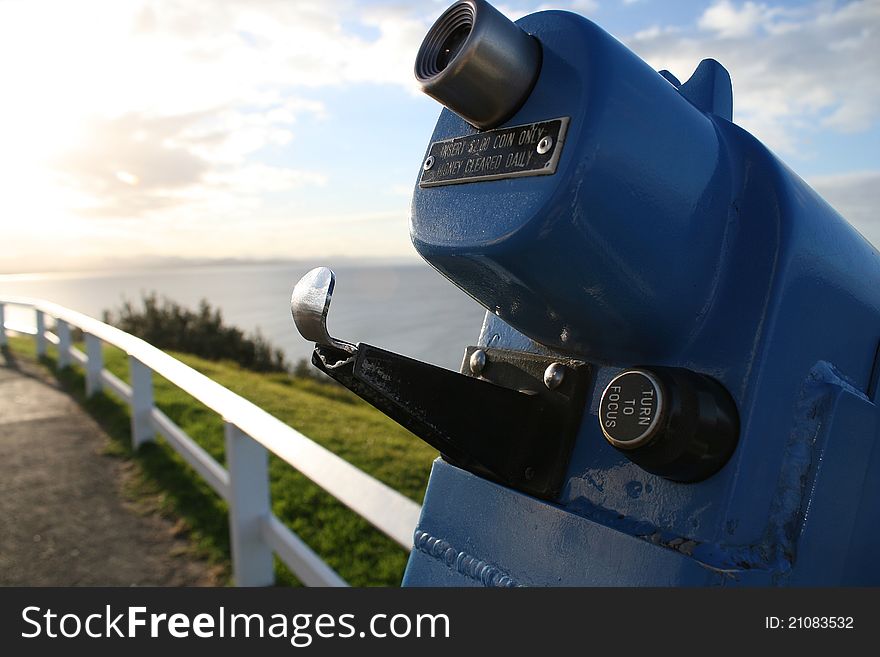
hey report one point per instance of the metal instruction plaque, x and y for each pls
(523, 150)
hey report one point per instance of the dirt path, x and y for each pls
(63, 518)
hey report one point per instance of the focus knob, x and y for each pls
(672, 422)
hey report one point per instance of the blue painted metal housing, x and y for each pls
(667, 236)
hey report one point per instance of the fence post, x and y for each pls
(94, 364)
(41, 334)
(248, 464)
(2, 325)
(141, 402)
(62, 329)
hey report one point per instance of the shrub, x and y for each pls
(168, 325)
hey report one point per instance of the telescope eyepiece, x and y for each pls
(444, 41)
(478, 63)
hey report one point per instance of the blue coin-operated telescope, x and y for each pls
(676, 380)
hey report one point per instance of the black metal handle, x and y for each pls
(518, 436)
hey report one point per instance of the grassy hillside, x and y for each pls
(328, 414)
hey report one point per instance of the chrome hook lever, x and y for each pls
(309, 304)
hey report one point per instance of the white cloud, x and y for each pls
(729, 20)
(579, 6)
(856, 196)
(138, 165)
(798, 71)
(136, 109)
(584, 6)
(654, 32)
(242, 44)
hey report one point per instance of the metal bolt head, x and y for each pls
(478, 362)
(553, 375)
(429, 162)
(545, 145)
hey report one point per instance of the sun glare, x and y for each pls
(59, 67)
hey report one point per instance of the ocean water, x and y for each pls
(409, 309)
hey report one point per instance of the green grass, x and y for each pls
(327, 414)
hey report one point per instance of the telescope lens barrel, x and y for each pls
(478, 63)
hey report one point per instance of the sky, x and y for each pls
(293, 129)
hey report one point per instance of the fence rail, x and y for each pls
(251, 433)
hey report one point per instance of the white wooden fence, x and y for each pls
(251, 433)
